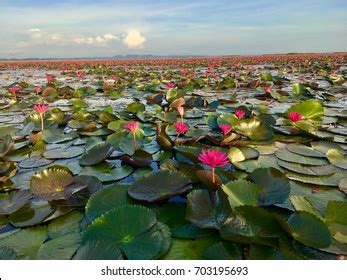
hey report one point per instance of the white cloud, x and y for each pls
(37, 36)
(98, 40)
(134, 40)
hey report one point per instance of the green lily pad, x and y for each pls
(106, 199)
(329, 180)
(224, 251)
(308, 109)
(34, 162)
(185, 249)
(242, 153)
(26, 242)
(81, 189)
(106, 173)
(303, 150)
(309, 230)
(131, 228)
(275, 185)
(301, 203)
(51, 182)
(249, 224)
(63, 153)
(337, 158)
(60, 248)
(286, 155)
(255, 129)
(33, 213)
(242, 192)
(66, 224)
(159, 186)
(7, 253)
(139, 159)
(55, 136)
(6, 143)
(11, 202)
(98, 250)
(207, 209)
(312, 170)
(96, 154)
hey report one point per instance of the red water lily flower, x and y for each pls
(239, 113)
(213, 158)
(267, 89)
(132, 127)
(295, 116)
(169, 85)
(181, 127)
(37, 89)
(14, 89)
(41, 109)
(225, 128)
(49, 78)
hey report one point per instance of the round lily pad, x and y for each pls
(25, 242)
(33, 213)
(98, 250)
(106, 199)
(207, 210)
(51, 182)
(303, 150)
(63, 153)
(309, 230)
(12, 201)
(131, 228)
(7, 253)
(55, 135)
(275, 186)
(242, 153)
(286, 155)
(242, 192)
(105, 172)
(337, 158)
(96, 154)
(313, 170)
(159, 186)
(187, 249)
(34, 162)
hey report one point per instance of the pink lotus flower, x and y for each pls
(37, 89)
(41, 109)
(181, 127)
(239, 113)
(184, 70)
(14, 89)
(295, 116)
(213, 158)
(169, 85)
(49, 78)
(267, 89)
(225, 128)
(132, 126)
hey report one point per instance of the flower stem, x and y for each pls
(213, 176)
(41, 117)
(134, 140)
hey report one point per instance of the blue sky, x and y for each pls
(76, 28)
